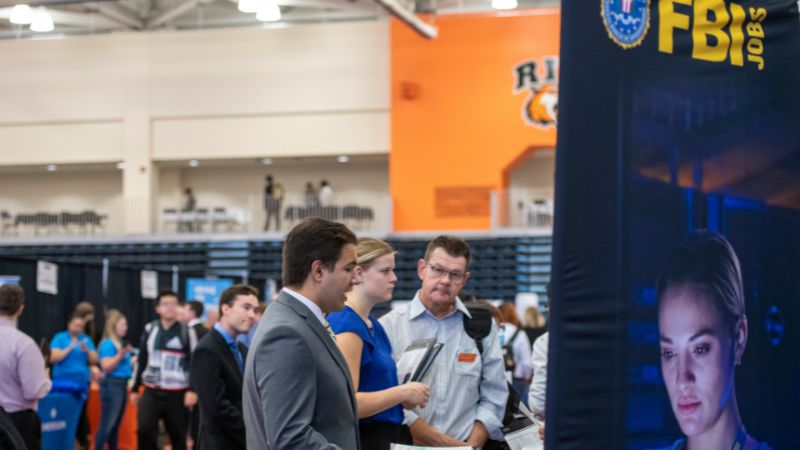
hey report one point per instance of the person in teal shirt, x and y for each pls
(72, 352)
(115, 360)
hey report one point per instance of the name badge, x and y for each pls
(467, 357)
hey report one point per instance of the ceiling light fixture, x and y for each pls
(194, 163)
(504, 4)
(249, 6)
(42, 22)
(269, 11)
(343, 158)
(266, 161)
(52, 167)
(21, 15)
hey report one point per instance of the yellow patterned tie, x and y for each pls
(330, 331)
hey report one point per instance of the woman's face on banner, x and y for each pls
(696, 357)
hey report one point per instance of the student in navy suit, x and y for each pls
(218, 368)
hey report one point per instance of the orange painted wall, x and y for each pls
(465, 125)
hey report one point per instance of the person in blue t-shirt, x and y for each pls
(115, 360)
(71, 353)
(368, 352)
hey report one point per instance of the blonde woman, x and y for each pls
(115, 360)
(368, 352)
(703, 333)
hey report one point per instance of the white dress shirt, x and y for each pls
(463, 389)
(310, 305)
(536, 394)
(521, 349)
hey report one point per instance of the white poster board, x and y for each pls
(46, 277)
(149, 284)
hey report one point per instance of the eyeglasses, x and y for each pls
(438, 272)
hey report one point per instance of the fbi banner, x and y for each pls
(675, 318)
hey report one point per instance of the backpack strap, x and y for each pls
(513, 338)
(478, 327)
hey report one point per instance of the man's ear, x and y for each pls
(318, 270)
(421, 265)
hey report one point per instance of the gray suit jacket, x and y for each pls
(297, 388)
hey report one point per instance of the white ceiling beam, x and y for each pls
(408, 16)
(173, 13)
(117, 13)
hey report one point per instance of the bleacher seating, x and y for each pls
(501, 267)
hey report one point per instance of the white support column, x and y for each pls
(139, 180)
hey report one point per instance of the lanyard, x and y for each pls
(738, 444)
(741, 437)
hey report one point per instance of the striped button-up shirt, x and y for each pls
(465, 385)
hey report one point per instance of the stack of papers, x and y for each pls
(417, 359)
(416, 447)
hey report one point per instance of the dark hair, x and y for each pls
(313, 239)
(262, 306)
(454, 247)
(196, 307)
(229, 295)
(83, 309)
(167, 293)
(74, 316)
(12, 297)
(706, 259)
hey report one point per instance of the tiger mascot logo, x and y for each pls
(540, 81)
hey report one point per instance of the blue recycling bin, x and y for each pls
(60, 411)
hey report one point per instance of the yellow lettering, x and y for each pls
(669, 19)
(755, 46)
(737, 36)
(758, 14)
(755, 30)
(704, 28)
(756, 59)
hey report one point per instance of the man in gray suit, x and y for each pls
(297, 388)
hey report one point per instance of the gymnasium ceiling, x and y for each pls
(81, 17)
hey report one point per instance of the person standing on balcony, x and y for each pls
(273, 198)
(325, 194)
(190, 203)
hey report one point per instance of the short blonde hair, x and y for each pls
(370, 249)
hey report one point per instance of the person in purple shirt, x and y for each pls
(368, 352)
(72, 352)
(24, 379)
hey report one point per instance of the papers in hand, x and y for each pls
(417, 359)
(415, 447)
(523, 431)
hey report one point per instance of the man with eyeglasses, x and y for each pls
(163, 369)
(468, 389)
